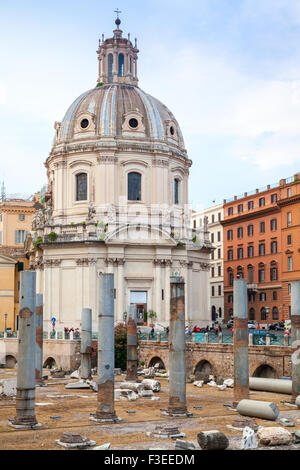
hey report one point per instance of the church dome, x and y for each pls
(117, 110)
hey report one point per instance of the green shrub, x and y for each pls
(99, 84)
(52, 236)
(38, 241)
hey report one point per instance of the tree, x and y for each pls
(121, 346)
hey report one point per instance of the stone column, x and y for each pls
(86, 344)
(168, 264)
(240, 340)
(106, 360)
(25, 400)
(132, 345)
(39, 339)
(120, 291)
(295, 315)
(158, 289)
(177, 363)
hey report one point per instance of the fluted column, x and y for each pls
(168, 264)
(120, 292)
(158, 289)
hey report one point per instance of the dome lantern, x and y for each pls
(117, 58)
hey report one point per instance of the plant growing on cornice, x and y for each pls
(99, 84)
(102, 238)
(38, 241)
(152, 314)
(180, 244)
(72, 224)
(83, 223)
(52, 236)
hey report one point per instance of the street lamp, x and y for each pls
(5, 316)
(267, 310)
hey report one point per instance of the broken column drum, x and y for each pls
(240, 340)
(295, 317)
(86, 344)
(132, 345)
(39, 339)
(106, 343)
(177, 366)
(25, 399)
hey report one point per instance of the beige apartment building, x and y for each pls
(15, 221)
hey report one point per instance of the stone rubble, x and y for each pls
(286, 422)
(274, 436)
(249, 440)
(184, 445)
(103, 447)
(146, 393)
(8, 387)
(229, 383)
(212, 440)
(150, 384)
(199, 383)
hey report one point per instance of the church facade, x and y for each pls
(117, 202)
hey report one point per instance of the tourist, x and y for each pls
(152, 332)
(258, 326)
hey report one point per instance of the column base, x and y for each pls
(25, 425)
(113, 420)
(177, 414)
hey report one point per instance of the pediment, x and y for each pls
(140, 234)
(5, 260)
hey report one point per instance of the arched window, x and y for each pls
(275, 313)
(81, 187)
(121, 65)
(230, 277)
(130, 64)
(134, 186)
(110, 61)
(263, 315)
(252, 314)
(176, 191)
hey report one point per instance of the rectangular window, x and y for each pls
(262, 296)
(289, 219)
(230, 255)
(289, 192)
(250, 230)
(20, 236)
(219, 290)
(212, 272)
(240, 232)
(261, 275)
(262, 227)
(250, 251)
(219, 216)
(289, 239)
(273, 247)
(273, 198)
(20, 266)
(219, 236)
(21, 217)
(219, 271)
(230, 210)
(274, 295)
(240, 253)
(262, 202)
(212, 219)
(250, 205)
(261, 249)
(290, 263)
(273, 224)
(212, 291)
(219, 253)
(240, 208)
(212, 236)
(229, 234)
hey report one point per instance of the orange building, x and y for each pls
(252, 249)
(289, 204)
(15, 221)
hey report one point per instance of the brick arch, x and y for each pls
(261, 364)
(10, 361)
(160, 355)
(48, 361)
(206, 359)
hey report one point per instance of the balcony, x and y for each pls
(252, 287)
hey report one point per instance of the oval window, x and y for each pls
(172, 130)
(133, 123)
(84, 123)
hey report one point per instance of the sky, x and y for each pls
(229, 70)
